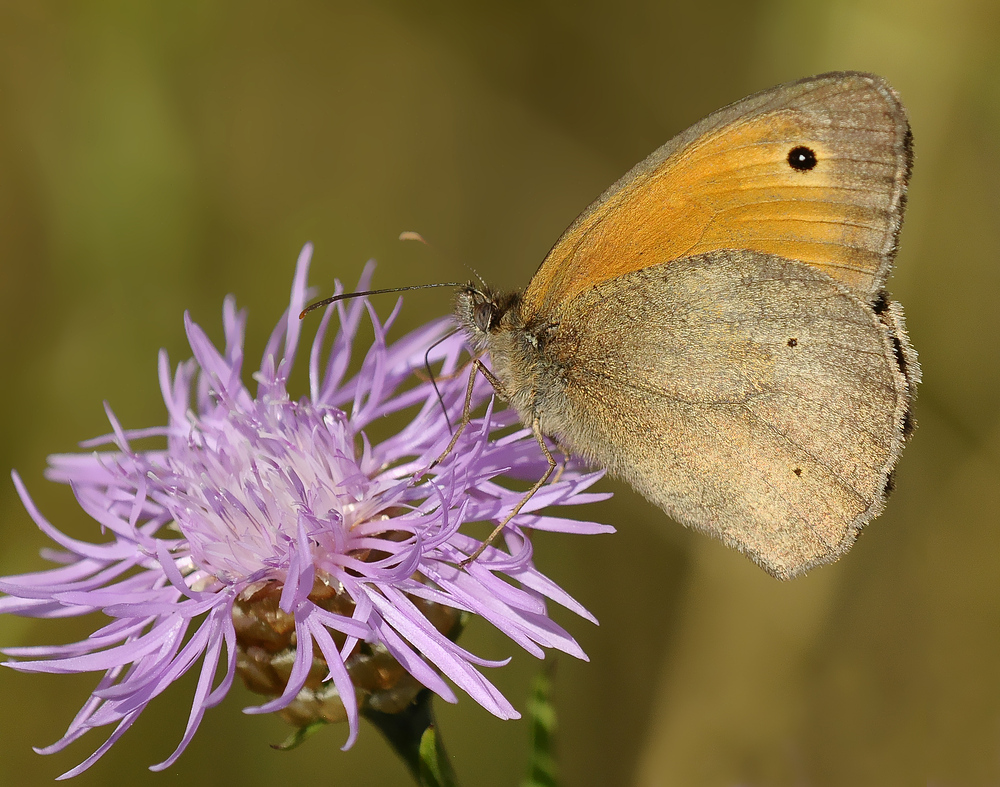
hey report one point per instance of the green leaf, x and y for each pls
(298, 737)
(542, 767)
(413, 735)
(435, 767)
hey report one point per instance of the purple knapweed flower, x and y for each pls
(272, 537)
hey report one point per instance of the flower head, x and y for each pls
(271, 537)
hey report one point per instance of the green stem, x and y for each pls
(412, 733)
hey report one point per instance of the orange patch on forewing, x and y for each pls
(735, 189)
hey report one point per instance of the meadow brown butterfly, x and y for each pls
(715, 330)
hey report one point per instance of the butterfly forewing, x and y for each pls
(814, 171)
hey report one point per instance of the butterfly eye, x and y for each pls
(801, 158)
(483, 315)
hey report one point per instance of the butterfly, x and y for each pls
(715, 329)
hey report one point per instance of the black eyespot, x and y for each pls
(801, 158)
(793, 342)
(797, 471)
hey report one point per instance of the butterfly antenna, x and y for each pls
(482, 281)
(346, 295)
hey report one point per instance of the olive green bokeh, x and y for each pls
(154, 157)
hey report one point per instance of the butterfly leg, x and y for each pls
(537, 431)
(477, 367)
(567, 455)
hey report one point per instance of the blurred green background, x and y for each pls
(155, 157)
